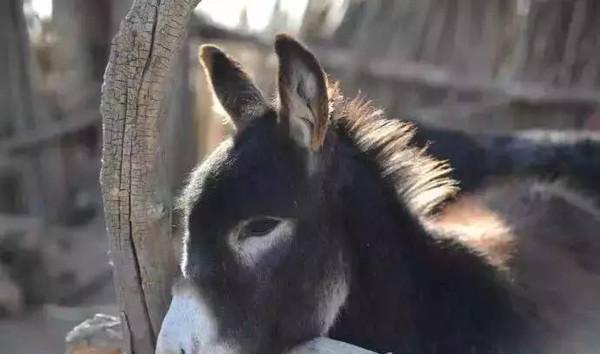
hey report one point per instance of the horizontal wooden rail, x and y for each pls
(435, 76)
(51, 131)
(392, 69)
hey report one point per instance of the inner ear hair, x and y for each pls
(302, 84)
(233, 87)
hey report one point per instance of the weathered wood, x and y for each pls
(12, 299)
(81, 112)
(83, 31)
(50, 132)
(15, 85)
(179, 139)
(398, 70)
(16, 113)
(435, 76)
(558, 43)
(136, 199)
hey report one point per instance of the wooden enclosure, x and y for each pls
(495, 65)
(475, 65)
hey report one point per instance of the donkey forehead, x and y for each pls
(256, 172)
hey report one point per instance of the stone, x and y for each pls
(98, 335)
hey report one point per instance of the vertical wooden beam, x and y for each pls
(18, 103)
(136, 196)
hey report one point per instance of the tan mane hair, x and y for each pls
(420, 180)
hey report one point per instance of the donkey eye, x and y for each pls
(259, 227)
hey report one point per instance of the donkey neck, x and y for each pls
(427, 293)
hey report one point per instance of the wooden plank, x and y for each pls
(50, 131)
(431, 75)
(402, 71)
(17, 99)
(77, 99)
(19, 223)
(16, 110)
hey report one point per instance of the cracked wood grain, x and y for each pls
(136, 199)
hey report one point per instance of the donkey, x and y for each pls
(319, 217)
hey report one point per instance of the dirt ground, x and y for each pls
(42, 330)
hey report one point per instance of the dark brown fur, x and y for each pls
(366, 260)
(546, 237)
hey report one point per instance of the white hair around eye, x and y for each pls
(252, 249)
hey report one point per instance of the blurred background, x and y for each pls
(468, 66)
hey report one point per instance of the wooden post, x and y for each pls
(136, 198)
(17, 114)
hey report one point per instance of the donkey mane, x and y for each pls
(420, 180)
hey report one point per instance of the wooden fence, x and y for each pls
(476, 65)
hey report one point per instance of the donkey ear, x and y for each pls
(304, 106)
(238, 95)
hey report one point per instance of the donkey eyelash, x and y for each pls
(259, 226)
(251, 249)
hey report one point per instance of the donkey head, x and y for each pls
(261, 268)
